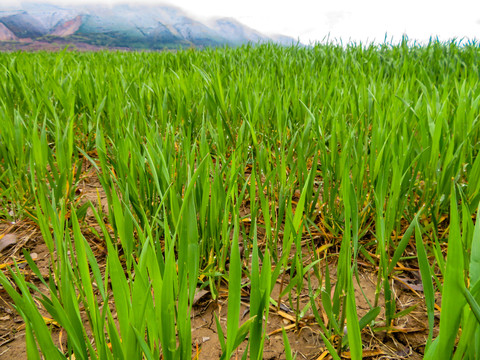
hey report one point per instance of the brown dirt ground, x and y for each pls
(406, 340)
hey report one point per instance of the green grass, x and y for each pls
(198, 152)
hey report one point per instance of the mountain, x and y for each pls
(6, 34)
(23, 25)
(121, 26)
(69, 27)
(237, 32)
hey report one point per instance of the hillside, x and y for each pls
(120, 26)
(6, 34)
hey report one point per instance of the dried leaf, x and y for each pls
(49, 321)
(395, 329)
(199, 295)
(324, 355)
(285, 308)
(280, 330)
(285, 315)
(7, 240)
(411, 284)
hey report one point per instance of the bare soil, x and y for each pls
(405, 339)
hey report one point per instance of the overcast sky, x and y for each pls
(348, 20)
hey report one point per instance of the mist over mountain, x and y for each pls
(123, 26)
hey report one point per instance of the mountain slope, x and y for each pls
(136, 27)
(68, 27)
(237, 32)
(6, 34)
(23, 25)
